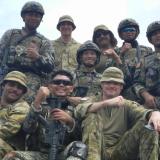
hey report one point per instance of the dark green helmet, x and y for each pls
(88, 45)
(128, 23)
(32, 6)
(154, 26)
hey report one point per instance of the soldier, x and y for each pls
(115, 128)
(65, 46)
(106, 41)
(55, 109)
(26, 50)
(131, 53)
(147, 84)
(87, 80)
(13, 111)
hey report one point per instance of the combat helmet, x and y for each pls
(88, 45)
(18, 77)
(154, 26)
(129, 22)
(104, 28)
(66, 18)
(32, 6)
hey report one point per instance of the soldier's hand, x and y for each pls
(149, 100)
(42, 93)
(112, 54)
(155, 120)
(125, 48)
(33, 51)
(115, 102)
(62, 116)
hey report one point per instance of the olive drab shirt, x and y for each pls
(15, 43)
(115, 120)
(65, 54)
(148, 76)
(11, 119)
(89, 79)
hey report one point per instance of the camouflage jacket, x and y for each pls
(65, 54)
(133, 58)
(89, 79)
(35, 126)
(11, 119)
(122, 118)
(15, 43)
(147, 77)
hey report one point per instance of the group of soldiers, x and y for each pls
(64, 100)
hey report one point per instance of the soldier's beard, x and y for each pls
(89, 65)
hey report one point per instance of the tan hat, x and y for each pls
(101, 27)
(66, 18)
(113, 74)
(17, 77)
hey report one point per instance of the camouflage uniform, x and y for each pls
(105, 61)
(132, 58)
(87, 78)
(15, 43)
(65, 53)
(147, 77)
(11, 118)
(37, 148)
(117, 133)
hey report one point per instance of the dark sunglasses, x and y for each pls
(129, 29)
(64, 82)
(101, 33)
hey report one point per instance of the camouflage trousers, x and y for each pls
(32, 155)
(138, 142)
(4, 148)
(129, 93)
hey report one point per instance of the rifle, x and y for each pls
(54, 130)
(81, 91)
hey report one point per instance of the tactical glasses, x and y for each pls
(101, 33)
(64, 82)
(129, 29)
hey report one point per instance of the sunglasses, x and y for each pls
(64, 82)
(101, 33)
(129, 29)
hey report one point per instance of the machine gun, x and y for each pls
(54, 130)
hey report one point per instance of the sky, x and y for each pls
(87, 14)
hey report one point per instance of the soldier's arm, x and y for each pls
(46, 60)
(13, 120)
(135, 111)
(4, 42)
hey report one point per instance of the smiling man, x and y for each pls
(87, 80)
(131, 54)
(113, 127)
(65, 46)
(52, 104)
(26, 50)
(13, 111)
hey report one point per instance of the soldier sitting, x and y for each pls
(147, 78)
(115, 128)
(13, 111)
(51, 124)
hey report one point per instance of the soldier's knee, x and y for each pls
(76, 149)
